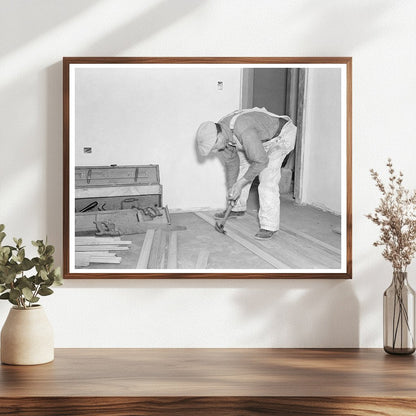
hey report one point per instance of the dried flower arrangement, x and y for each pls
(396, 217)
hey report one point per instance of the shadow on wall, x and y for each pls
(337, 19)
(308, 313)
(37, 17)
(301, 314)
(153, 20)
(260, 313)
(375, 276)
(158, 17)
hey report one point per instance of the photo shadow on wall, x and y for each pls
(302, 314)
(53, 216)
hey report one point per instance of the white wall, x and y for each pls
(378, 34)
(322, 150)
(149, 116)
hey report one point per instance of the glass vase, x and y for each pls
(399, 316)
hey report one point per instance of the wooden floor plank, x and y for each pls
(104, 243)
(105, 259)
(87, 254)
(172, 262)
(307, 251)
(96, 239)
(277, 247)
(145, 250)
(83, 259)
(288, 252)
(247, 244)
(154, 252)
(100, 248)
(312, 239)
(290, 229)
(202, 261)
(161, 255)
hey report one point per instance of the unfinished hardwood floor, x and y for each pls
(307, 240)
(290, 247)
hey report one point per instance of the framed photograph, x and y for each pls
(207, 168)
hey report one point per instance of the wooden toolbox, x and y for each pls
(88, 176)
(117, 187)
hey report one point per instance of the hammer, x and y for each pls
(219, 225)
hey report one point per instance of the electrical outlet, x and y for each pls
(87, 149)
(220, 85)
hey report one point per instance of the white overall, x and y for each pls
(269, 178)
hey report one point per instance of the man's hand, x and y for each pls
(235, 191)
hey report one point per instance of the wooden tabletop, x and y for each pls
(236, 379)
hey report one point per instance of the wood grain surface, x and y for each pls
(212, 381)
(207, 406)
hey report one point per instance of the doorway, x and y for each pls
(281, 91)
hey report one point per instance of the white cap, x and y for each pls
(206, 137)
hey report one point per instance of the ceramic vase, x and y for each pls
(27, 337)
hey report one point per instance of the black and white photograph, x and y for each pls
(209, 168)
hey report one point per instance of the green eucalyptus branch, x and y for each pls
(15, 286)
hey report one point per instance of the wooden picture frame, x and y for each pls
(139, 116)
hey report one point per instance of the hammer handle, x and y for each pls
(227, 214)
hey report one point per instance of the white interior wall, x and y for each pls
(322, 150)
(149, 116)
(378, 34)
